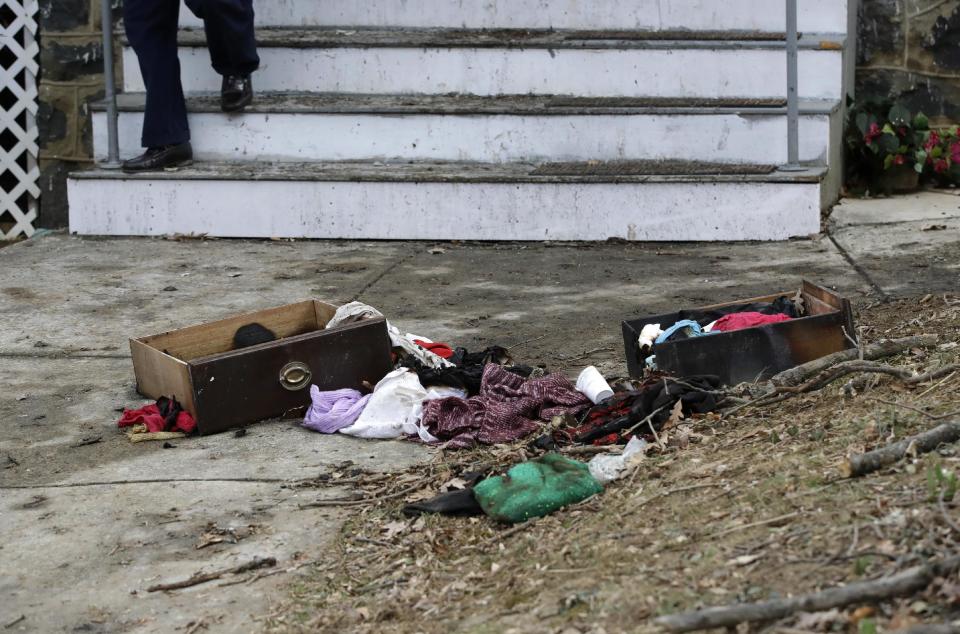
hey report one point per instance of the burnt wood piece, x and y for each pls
(234, 388)
(751, 354)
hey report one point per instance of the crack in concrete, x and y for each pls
(862, 272)
(399, 262)
(74, 485)
(59, 355)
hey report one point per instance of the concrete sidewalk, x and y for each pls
(85, 535)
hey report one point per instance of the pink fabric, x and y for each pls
(334, 410)
(739, 321)
(507, 408)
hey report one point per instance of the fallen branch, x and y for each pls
(901, 584)
(880, 350)
(840, 370)
(862, 464)
(203, 577)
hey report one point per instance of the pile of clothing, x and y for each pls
(440, 394)
(701, 323)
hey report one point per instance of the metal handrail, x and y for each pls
(793, 101)
(793, 98)
(110, 87)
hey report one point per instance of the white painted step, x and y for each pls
(823, 16)
(440, 201)
(309, 127)
(498, 63)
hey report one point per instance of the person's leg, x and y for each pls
(152, 31)
(233, 47)
(230, 35)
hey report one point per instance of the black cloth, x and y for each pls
(152, 30)
(467, 372)
(460, 503)
(251, 335)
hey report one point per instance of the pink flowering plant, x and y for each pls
(938, 155)
(884, 141)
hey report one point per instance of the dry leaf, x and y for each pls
(454, 484)
(423, 494)
(861, 613)
(676, 415)
(744, 560)
(394, 528)
(818, 621)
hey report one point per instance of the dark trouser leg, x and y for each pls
(230, 34)
(152, 30)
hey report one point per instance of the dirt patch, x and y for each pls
(747, 508)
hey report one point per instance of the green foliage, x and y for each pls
(883, 136)
(860, 566)
(941, 482)
(867, 626)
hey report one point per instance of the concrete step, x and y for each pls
(329, 127)
(588, 64)
(826, 16)
(442, 200)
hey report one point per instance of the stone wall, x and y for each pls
(910, 50)
(71, 75)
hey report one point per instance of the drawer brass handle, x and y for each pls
(295, 376)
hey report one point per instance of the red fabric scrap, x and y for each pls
(739, 321)
(507, 408)
(442, 350)
(154, 419)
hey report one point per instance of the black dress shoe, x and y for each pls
(158, 158)
(236, 93)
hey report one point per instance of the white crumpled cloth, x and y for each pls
(358, 311)
(396, 407)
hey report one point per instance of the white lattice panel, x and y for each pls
(19, 173)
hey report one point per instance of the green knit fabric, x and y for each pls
(536, 488)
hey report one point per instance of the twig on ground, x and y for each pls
(588, 450)
(647, 421)
(858, 345)
(511, 532)
(880, 350)
(266, 573)
(586, 353)
(203, 577)
(15, 621)
(918, 410)
(196, 626)
(862, 464)
(89, 440)
(901, 584)
(346, 502)
(668, 493)
(523, 343)
(772, 520)
(936, 385)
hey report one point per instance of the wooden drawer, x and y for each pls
(225, 388)
(754, 353)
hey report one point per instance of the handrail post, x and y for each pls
(110, 88)
(793, 99)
